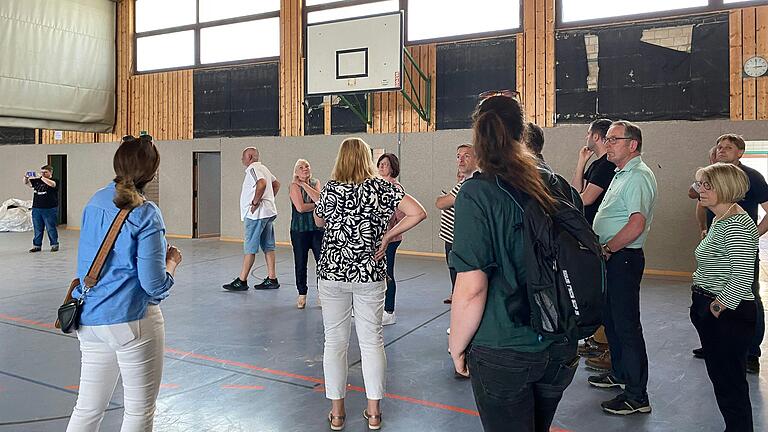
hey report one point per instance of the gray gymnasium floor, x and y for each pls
(251, 361)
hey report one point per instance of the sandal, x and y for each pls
(370, 417)
(332, 417)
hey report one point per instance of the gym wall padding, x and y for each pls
(641, 81)
(237, 101)
(58, 64)
(16, 136)
(466, 69)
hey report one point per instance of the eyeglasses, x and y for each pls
(145, 137)
(612, 140)
(698, 186)
(482, 97)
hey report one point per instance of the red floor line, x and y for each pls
(281, 373)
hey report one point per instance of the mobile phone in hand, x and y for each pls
(31, 174)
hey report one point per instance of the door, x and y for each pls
(59, 164)
(206, 194)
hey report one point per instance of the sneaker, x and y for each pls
(236, 285)
(590, 348)
(605, 380)
(267, 284)
(448, 331)
(55, 248)
(698, 353)
(388, 318)
(601, 363)
(35, 249)
(301, 301)
(449, 300)
(753, 365)
(622, 405)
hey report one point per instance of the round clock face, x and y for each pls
(756, 66)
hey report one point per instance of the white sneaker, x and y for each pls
(388, 318)
(448, 331)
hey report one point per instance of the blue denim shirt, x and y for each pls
(134, 274)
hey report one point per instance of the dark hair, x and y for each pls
(737, 140)
(534, 137)
(497, 132)
(394, 163)
(600, 127)
(633, 131)
(47, 168)
(136, 161)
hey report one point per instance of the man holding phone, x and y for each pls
(45, 206)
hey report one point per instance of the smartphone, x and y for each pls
(31, 174)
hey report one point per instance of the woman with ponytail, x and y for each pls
(517, 378)
(121, 332)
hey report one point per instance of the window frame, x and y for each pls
(712, 6)
(197, 27)
(404, 7)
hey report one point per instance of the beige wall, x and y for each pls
(673, 150)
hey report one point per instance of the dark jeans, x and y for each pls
(629, 360)
(451, 270)
(726, 341)
(754, 346)
(45, 219)
(389, 301)
(302, 242)
(519, 391)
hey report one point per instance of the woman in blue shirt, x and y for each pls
(121, 327)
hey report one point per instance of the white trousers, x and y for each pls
(133, 350)
(337, 300)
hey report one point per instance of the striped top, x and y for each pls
(303, 222)
(726, 260)
(447, 217)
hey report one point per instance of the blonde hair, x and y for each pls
(299, 162)
(354, 163)
(729, 182)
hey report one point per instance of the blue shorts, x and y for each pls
(259, 233)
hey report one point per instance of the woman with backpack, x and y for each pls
(517, 376)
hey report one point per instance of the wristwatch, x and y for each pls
(716, 308)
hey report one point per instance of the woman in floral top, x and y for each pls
(354, 207)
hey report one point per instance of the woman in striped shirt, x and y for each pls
(723, 309)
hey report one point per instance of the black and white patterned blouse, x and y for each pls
(356, 217)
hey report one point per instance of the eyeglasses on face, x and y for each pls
(698, 186)
(612, 140)
(512, 94)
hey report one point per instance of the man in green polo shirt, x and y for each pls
(622, 223)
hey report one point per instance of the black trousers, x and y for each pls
(302, 243)
(519, 391)
(389, 297)
(451, 270)
(726, 341)
(629, 359)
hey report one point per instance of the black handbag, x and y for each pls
(68, 315)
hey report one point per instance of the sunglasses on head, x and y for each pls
(482, 97)
(145, 137)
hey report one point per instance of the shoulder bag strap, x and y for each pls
(106, 246)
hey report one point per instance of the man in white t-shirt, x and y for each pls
(258, 212)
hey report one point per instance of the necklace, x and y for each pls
(716, 219)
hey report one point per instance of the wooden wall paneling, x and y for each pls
(422, 89)
(761, 35)
(541, 52)
(529, 24)
(735, 44)
(550, 64)
(283, 57)
(433, 90)
(292, 65)
(520, 66)
(749, 46)
(327, 117)
(393, 115)
(190, 105)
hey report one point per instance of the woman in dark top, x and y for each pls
(305, 235)
(389, 168)
(517, 377)
(724, 308)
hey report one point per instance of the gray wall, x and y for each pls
(673, 150)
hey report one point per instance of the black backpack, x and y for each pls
(565, 270)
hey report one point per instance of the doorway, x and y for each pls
(206, 194)
(59, 164)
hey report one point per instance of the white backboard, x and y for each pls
(355, 55)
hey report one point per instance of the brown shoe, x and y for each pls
(374, 421)
(590, 348)
(301, 302)
(336, 422)
(601, 363)
(449, 300)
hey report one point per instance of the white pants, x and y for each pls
(133, 350)
(336, 299)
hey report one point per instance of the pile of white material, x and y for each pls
(18, 218)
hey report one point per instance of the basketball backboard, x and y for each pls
(355, 55)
